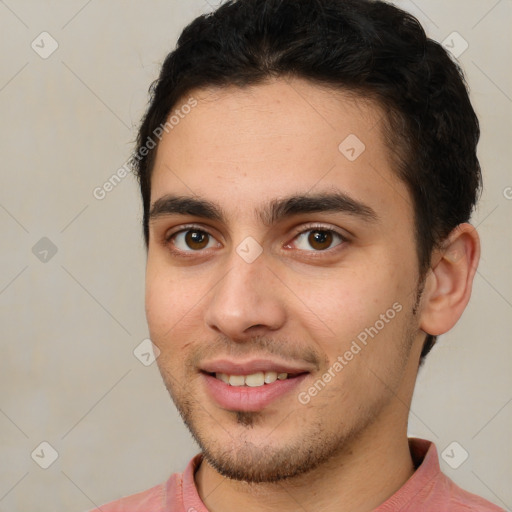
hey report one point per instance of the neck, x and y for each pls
(359, 479)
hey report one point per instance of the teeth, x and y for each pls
(236, 380)
(270, 377)
(253, 380)
(223, 377)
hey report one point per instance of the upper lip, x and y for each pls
(252, 366)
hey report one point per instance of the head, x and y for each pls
(340, 117)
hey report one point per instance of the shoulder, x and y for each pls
(151, 499)
(160, 498)
(461, 500)
(430, 489)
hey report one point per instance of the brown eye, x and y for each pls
(196, 239)
(316, 240)
(190, 240)
(320, 240)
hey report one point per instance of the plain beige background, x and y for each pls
(72, 320)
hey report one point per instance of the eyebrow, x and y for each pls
(273, 212)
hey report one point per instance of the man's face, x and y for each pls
(263, 288)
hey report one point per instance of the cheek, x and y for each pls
(364, 304)
(174, 305)
(165, 303)
(347, 298)
(159, 303)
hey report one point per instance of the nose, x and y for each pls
(247, 301)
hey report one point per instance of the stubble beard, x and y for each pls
(242, 460)
(313, 444)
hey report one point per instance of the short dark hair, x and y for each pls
(368, 47)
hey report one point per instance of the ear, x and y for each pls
(449, 281)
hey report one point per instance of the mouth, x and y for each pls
(253, 380)
(250, 386)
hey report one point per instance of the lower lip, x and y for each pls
(246, 398)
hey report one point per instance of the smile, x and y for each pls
(252, 380)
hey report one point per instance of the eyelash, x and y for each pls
(315, 227)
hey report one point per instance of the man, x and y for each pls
(308, 170)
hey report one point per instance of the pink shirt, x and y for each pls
(427, 490)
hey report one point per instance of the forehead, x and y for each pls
(240, 146)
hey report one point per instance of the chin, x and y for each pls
(245, 451)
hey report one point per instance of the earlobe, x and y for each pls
(448, 285)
